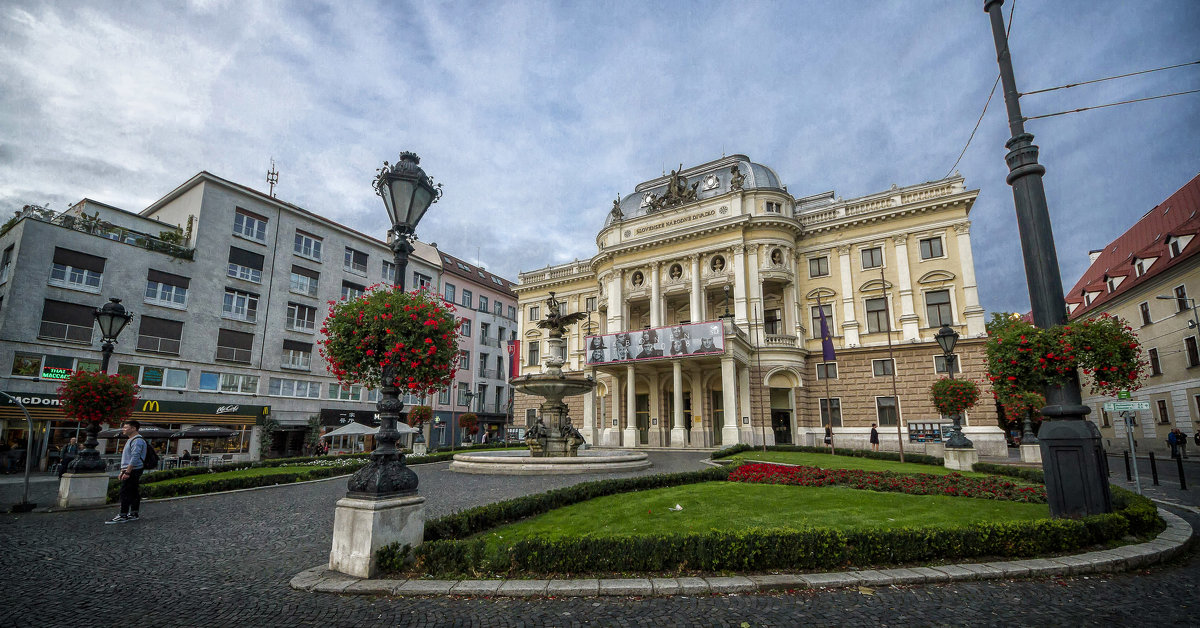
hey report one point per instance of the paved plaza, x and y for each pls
(225, 560)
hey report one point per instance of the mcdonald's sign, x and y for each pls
(150, 405)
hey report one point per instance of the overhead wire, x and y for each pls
(1109, 78)
(992, 93)
(1113, 104)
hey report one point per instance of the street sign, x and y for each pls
(1124, 394)
(1122, 406)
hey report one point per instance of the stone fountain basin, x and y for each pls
(521, 463)
(553, 386)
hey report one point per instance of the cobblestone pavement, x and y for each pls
(225, 560)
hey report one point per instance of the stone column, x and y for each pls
(739, 285)
(729, 431)
(630, 436)
(616, 302)
(700, 427)
(589, 415)
(801, 316)
(697, 313)
(655, 434)
(678, 431)
(755, 311)
(972, 311)
(612, 433)
(909, 321)
(655, 296)
(849, 322)
(745, 431)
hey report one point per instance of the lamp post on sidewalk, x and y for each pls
(111, 318)
(947, 338)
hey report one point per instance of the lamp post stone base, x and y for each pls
(420, 449)
(79, 490)
(961, 458)
(362, 526)
(1031, 453)
(1076, 468)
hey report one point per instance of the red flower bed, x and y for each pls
(884, 481)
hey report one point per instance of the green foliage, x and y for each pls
(312, 434)
(953, 396)
(412, 334)
(1029, 475)
(266, 436)
(170, 236)
(96, 396)
(419, 415)
(469, 422)
(853, 453)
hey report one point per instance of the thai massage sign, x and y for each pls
(675, 221)
(657, 343)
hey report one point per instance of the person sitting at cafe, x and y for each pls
(186, 456)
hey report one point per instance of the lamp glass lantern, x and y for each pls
(946, 339)
(112, 318)
(407, 192)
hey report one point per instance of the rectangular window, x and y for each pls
(497, 308)
(931, 248)
(464, 389)
(421, 280)
(1174, 246)
(159, 335)
(939, 364)
(301, 317)
(818, 267)
(283, 387)
(882, 368)
(512, 312)
(245, 265)
(351, 291)
(772, 322)
(155, 376)
(773, 208)
(484, 328)
(307, 246)
(1155, 367)
(296, 355)
(355, 261)
(1163, 416)
(303, 281)
(831, 418)
(1140, 267)
(827, 370)
(1144, 308)
(590, 304)
(483, 303)
(464, 361)
(166, 289)
(6, 263)
(877, 319)
(234, 346)
(444, 397)
(449, 296)
(535, 313)
(80, 271)
(872, 257)
(236, 382)
(250, 226)
(531, 353)
(886, 411)
(389, 272)
(1193, 355)
(69, 322)
(1181, 299)
(27, 364)
(466, 298)
(816, 319)
(464, 329)
(937, 308)
(345, 393)
(241, 306)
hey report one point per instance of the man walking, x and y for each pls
(133, 458)
(69, 452)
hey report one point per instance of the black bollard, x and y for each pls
(1128, 472)
(1153, 469)
(1182, 480)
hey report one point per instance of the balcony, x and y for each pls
(166, 242)
(780, 340)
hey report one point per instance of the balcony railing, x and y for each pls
(780, 340)
(104, 229)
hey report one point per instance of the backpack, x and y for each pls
(150, 461)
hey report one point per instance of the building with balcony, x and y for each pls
(704, 304)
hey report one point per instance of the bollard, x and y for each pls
(1153, 469)
(1128, 472)
(1182, 480)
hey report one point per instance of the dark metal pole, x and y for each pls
(1182, 479)
(1128, 471)
(1066, 438)
(1153, 469)
(956, 440)
(887, 313)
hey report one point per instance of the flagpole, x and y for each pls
(758, 357)
(887, 311)
(826, 350)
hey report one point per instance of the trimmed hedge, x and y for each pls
(1024, 473)
(852, 453)
(446, 552)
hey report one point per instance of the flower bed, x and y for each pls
(913, 484)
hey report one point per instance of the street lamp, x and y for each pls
(112, 319)
(946, 339)
(407, 193)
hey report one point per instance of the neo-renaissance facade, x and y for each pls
(705, 299)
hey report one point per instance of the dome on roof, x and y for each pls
(706, 181)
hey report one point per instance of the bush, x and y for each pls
(853, 453)
(1029, 475)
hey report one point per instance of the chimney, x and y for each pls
(1093, 254)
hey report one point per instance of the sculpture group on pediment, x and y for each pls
(737, 179)
(677, 193)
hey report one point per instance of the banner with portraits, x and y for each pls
(657, 343)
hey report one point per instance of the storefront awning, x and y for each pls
(44, 407)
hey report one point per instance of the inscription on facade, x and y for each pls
(675, 221)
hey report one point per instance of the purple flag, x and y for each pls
(826, 338)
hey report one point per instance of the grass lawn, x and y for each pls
(827, 461)
(737, 505)
(241, 473)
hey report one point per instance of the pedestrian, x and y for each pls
(1173, 441)
(1196, 438)
(828, 435)
(67, 455)
(1182, 439)
(133, 458)
(874, 438)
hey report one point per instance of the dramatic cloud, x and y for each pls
(535, 115)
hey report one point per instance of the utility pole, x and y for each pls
(1072, 455)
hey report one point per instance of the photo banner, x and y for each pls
(658, 343)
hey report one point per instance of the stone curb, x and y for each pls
(1167, 545)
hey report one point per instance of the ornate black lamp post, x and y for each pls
(407, 193)
(946, 339)
(111, 318)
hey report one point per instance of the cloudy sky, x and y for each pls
(536, 115)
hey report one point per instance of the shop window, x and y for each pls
(155, 376)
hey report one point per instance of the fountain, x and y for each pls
(553, 442)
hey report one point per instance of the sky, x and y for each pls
(535, 115)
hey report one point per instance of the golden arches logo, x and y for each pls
(150, 406)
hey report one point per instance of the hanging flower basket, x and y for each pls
(419, 415)
(413, 333)
(469, 422)
(952, 396)
(1018, 405)
(1022, 357)
(92, 396)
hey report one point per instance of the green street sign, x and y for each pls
(1124, 394)
(1126, 406)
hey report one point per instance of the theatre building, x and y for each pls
(705, 299)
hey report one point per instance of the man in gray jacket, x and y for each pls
(133, 458)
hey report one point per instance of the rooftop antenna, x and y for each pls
(272, 177)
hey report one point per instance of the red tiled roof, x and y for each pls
(1147, 238)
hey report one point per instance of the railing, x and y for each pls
(232, 354)
(102, 228)
(780, 340)
(487, 341)
(156, 344)
(65, 331)
(924, 195)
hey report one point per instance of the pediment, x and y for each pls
(820, 293)
(936, 276)
(875, 285)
